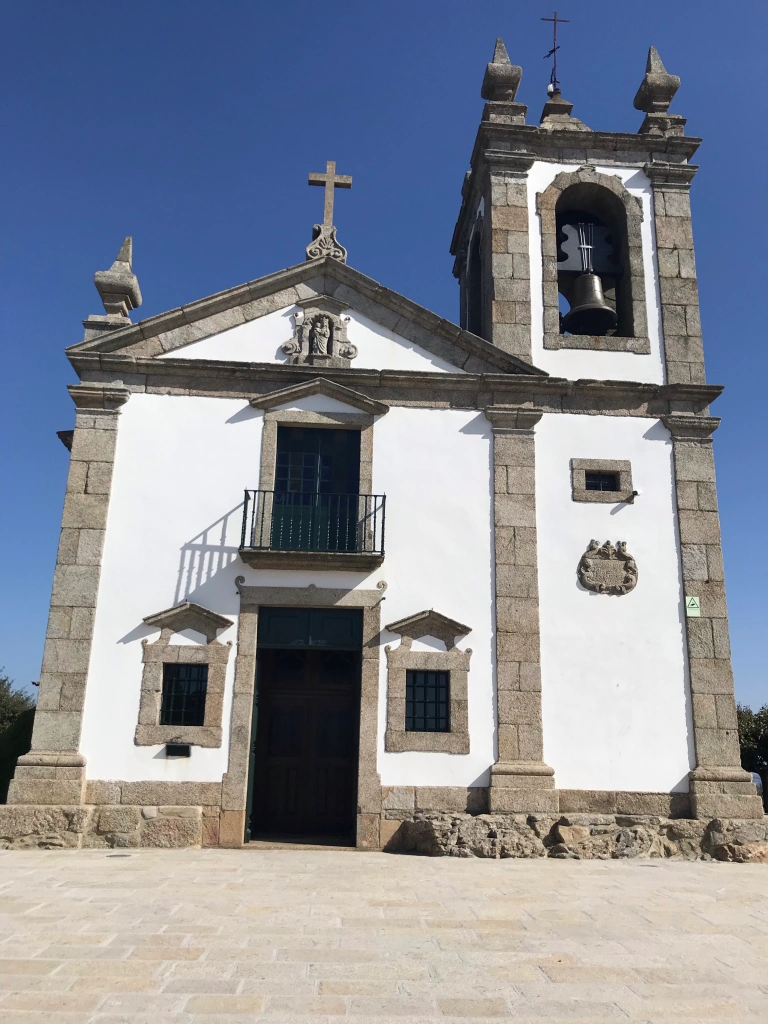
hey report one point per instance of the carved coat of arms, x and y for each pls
(606, 569)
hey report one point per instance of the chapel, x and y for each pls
(330, 563)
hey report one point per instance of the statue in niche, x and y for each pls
(320, 336)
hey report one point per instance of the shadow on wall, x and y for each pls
(658, 432)
(204, 560)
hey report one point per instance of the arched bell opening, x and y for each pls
(592, 261)
(474, 284)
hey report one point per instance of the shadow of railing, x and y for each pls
(207, 555)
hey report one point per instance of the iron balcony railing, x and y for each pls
(292, 521)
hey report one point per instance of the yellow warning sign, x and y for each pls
(692, 607)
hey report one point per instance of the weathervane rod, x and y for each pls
(554, 82)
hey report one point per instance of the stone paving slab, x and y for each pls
(204, 936)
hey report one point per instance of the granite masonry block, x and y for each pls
(711, 676)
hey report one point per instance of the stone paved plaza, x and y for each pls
(216, 935)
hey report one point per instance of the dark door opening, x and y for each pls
(307, 722)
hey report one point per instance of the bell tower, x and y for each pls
(580, 240)
(574, 252)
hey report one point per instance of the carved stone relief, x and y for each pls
(320, 335)
(325, 243)
(607, 569)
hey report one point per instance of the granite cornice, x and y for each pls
(400, 387)
(529, 142)
(543, 143)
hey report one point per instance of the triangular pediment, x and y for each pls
(443, 345)
(430, 623)
(189, 615)
(320, 386)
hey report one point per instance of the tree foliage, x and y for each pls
(12, 701)
(753, 738)
(17, 715)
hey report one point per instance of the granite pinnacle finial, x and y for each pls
(658, 87)
(500, 55)
(654, 64)
(118, 286)
(502, 78)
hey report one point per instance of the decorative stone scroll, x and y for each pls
(320, 335)
(325, 243)
(607, 569)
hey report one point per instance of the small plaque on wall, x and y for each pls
(692, 607)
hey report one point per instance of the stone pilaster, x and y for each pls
(510, 279)
(719, 785)
(520, 781)
(53, 772)
(679, 290)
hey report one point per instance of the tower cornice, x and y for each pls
(516, 147)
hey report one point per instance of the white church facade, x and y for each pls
(329, 562)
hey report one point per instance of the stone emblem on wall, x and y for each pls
(320, 335)
(607, 569)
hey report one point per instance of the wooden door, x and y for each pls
(305, 770)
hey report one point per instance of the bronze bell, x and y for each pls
(589, 312)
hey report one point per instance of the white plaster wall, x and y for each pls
(434, 467)
(259, 341)
(577, 363)
(615, 693)
(173, 532)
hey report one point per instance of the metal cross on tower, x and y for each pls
(553, 80)
(324, 241)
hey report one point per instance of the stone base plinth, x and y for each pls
(50, 777)
(724, 793)
(103, 826)
(522, 787)
(580, 837)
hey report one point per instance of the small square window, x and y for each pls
(427, 701)
(601, 481)
(184, 690)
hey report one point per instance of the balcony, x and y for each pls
(292, 530)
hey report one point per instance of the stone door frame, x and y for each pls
(235, 782)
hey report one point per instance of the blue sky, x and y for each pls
(192, 126)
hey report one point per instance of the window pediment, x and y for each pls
(320, 386)
(429, 623)
(189, 615)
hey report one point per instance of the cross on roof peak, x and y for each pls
(554, 84)
(324, 241)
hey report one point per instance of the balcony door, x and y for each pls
(317, 486)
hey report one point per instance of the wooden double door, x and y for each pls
(305, 755)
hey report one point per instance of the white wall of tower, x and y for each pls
(576, 364)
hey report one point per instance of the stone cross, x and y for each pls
(330, 180)
(324, 242)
